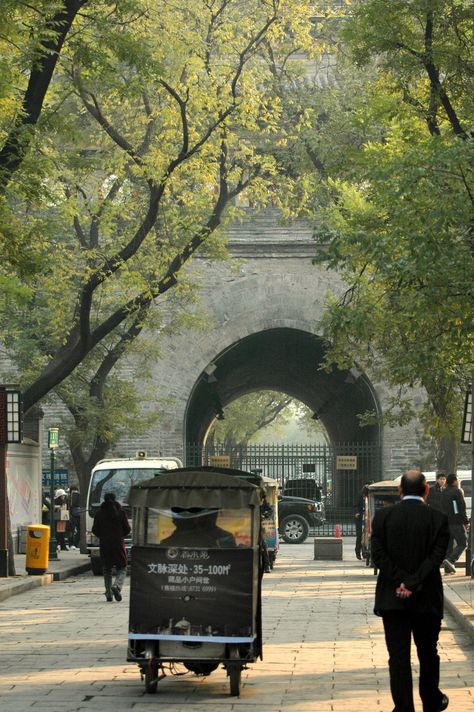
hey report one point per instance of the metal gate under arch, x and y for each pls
(340, 471)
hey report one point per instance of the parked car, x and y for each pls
(296, 516)
(308, 488)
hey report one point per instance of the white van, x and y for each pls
(117, 476)
(465, 483)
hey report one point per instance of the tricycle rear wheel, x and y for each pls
(151, 677)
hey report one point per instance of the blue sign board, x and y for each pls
(61, 478)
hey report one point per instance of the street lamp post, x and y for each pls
(53, 444)
(10, 432)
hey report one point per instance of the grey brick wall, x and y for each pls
(270, 282)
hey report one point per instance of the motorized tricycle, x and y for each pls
(270, 517)
(195, 581)
(379, 494)
(269, 489)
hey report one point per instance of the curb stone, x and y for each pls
(19, 584)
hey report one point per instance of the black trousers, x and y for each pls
(457, 533)
(358, 541)
(399, 627)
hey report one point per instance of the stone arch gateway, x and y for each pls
(262, 308)
(286, 360)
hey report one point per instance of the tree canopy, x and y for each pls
(31, 43)
(246, 416)
(128, 128)
(396, 216)
(248, 419)
(158, 115)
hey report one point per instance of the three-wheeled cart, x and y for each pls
(270, 517)
(270, 540)
(379, 494)
(269, 488)
(195, 595)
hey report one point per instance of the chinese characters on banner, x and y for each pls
(192, 592)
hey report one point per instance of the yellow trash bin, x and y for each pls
(37, 549)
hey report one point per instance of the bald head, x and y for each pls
(413, 483)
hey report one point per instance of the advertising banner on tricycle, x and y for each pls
(192, 592)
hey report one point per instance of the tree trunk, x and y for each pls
(83, 469)
(83, 475)
(447, 453)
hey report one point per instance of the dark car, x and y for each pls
(296, 516)
(305, 487)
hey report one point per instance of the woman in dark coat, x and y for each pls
(60, 504)
(111, 527)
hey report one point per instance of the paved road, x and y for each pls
(63, 649)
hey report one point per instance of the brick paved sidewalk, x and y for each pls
(69, 563)
(340, 661)
(63, 648)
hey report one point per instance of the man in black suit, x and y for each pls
(408, 544)
(359, 511)
(435, 495)
(454, 506)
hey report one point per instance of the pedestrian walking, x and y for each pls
(45, 507)
(454, 507)
(111, 527)
(435, 495)
(408, 544)
(74, 517)
(61, 515)
(359, 510)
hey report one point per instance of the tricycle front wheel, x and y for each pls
(235, 672)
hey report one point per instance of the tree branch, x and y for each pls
(145, 144)
(81, 340)
(95, 111)
(184, 120)
(426, 59)
(95, 222)
(18, 140)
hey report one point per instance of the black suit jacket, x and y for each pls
(408, 544)
(454, 506)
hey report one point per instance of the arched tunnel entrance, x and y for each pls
(288, 360)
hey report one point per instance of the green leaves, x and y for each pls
(425, 49)
(158, 115)
(395, 217)
(247, 416)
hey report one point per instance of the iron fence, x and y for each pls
(339, 470)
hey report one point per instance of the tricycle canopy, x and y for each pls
(188, 488)
(383, 493)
